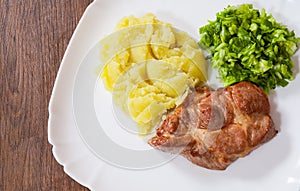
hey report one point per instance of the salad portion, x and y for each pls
(247, 44)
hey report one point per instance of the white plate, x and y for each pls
(274, 166)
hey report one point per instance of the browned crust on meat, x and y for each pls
(214, 128)
(257, 100)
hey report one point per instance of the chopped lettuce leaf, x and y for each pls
(250, 45)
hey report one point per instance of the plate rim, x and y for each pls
(53, 98)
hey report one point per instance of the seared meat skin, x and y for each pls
(214, 128)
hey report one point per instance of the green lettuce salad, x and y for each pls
(250, 45)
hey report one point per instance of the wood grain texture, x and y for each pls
(33, 38)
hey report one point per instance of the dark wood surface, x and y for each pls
(33, 37)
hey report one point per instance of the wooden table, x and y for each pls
(34, 35)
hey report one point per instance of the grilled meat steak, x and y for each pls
(214, 128)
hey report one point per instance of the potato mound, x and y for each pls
(149, 66)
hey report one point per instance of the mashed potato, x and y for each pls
(149, 66)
